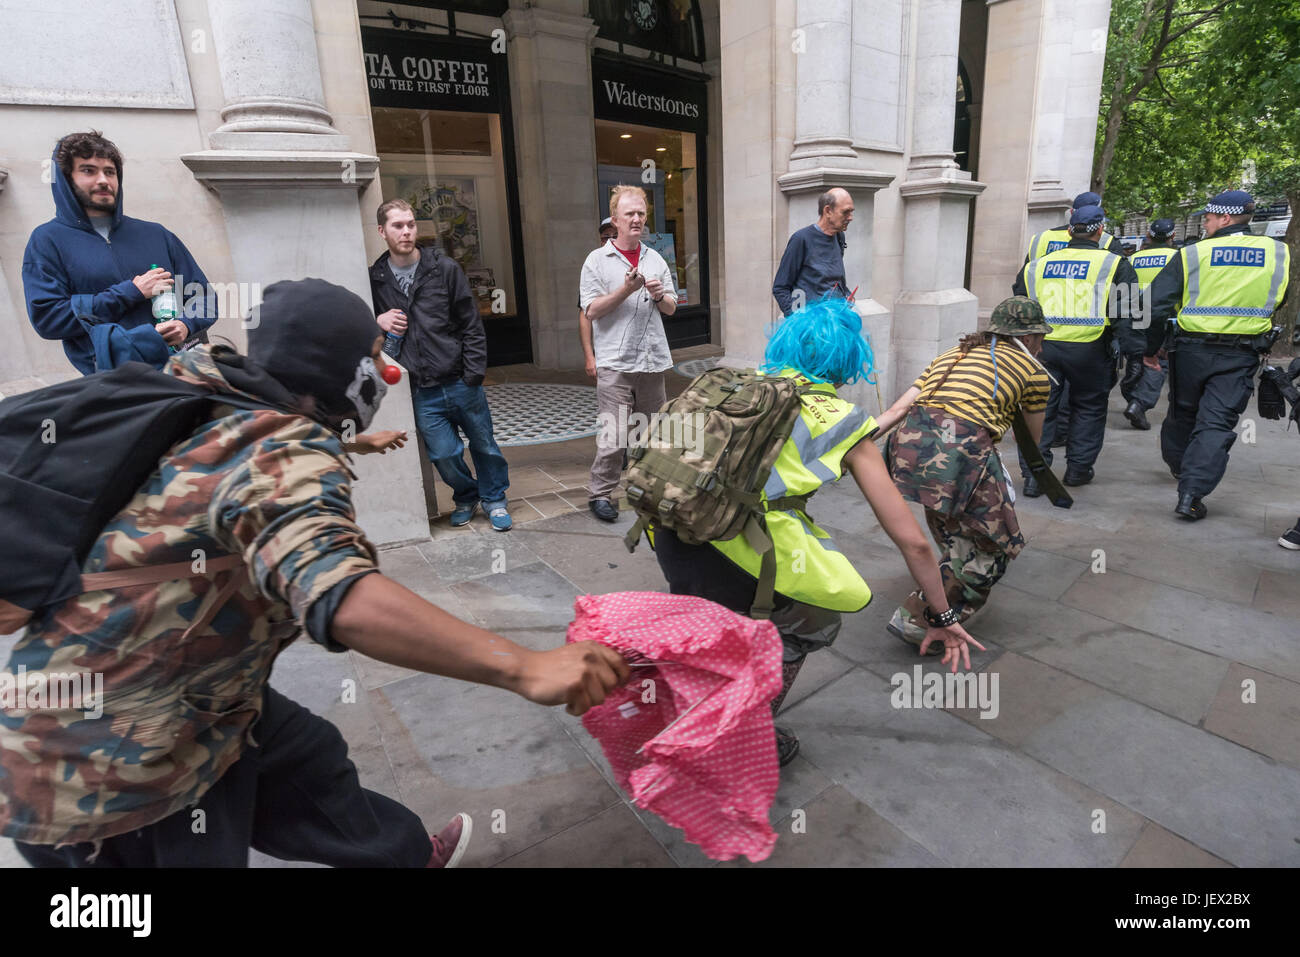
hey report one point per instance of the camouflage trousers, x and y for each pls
(970, 563)
(951, 467)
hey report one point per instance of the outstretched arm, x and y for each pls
(869, 471)
(895, 413)
(387, 622)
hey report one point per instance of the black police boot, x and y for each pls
(1031, 487)
(1191, 508)
(1075, 476)
(1137, 416)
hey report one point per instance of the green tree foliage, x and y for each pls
(1255, 77)
(1193, 92)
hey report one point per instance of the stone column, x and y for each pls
(823, 156)
(1049, 195)
(289, 189)
(934, 307)
(824, 77)
(801, 189)
(14, 363)
(550, 87)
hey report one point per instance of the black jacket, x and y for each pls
(444, 340)
(1122, 304)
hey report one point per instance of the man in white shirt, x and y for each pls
(626, 287)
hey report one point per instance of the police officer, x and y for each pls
(1084, 291)
(1049, 241)
(1221, 294)
(1143, 379)
(1058, 237)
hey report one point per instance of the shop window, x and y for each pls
(450, 167)
(670, 27)
(671, 182)
(961, 119)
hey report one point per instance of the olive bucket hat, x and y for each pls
(1018, 316)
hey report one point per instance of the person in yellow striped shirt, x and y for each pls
(944, 454)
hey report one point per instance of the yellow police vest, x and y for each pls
(1051, 240)
(1231, 285)
(1148, 263)
(809, 568)
(1073, 287)
(1048, 241)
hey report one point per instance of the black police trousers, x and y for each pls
(1086, 373)
(1209, 387)
(294, 796)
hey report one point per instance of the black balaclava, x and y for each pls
(316, 339)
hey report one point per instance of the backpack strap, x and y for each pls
(213, 601)
(758, 538)
(153, 574)
(633, 536)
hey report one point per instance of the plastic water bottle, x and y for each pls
(164, 304)
(393, 343)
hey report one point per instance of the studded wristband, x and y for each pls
(942, 620)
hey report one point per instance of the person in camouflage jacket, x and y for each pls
(944, 454)
(186, 717)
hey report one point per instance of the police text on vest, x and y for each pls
(1237, 256)
(1066, 269)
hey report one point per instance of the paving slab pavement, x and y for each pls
(1148, 690)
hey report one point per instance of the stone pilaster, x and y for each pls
(289, 190)
(824, 77)
(802, 188)
(1049, 195)
(550, 87)
(934, 307)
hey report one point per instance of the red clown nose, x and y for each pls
(392, 374)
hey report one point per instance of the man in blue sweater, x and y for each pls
(92, 266)
(813, 264)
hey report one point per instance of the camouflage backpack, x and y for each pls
(701, 466)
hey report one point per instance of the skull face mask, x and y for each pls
(366, 392)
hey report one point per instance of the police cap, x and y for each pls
(1086, 218)
(1232, 202)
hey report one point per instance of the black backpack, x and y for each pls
(71, 457)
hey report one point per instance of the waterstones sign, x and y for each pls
(432, 73)
(632, 94)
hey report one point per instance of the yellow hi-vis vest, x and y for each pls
(1073, 287)
(1051, 240)
(1231, 285)
(809, 568)
(1147, 263)
(1048, 241)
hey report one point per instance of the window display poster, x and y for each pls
(666, 245)
(450, 204)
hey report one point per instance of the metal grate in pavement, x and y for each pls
(534, 413)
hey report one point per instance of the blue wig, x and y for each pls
(824, 342)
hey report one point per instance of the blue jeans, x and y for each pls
(439, 410)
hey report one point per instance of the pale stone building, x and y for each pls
(265, 133)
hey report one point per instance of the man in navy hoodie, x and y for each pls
(91, 266)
